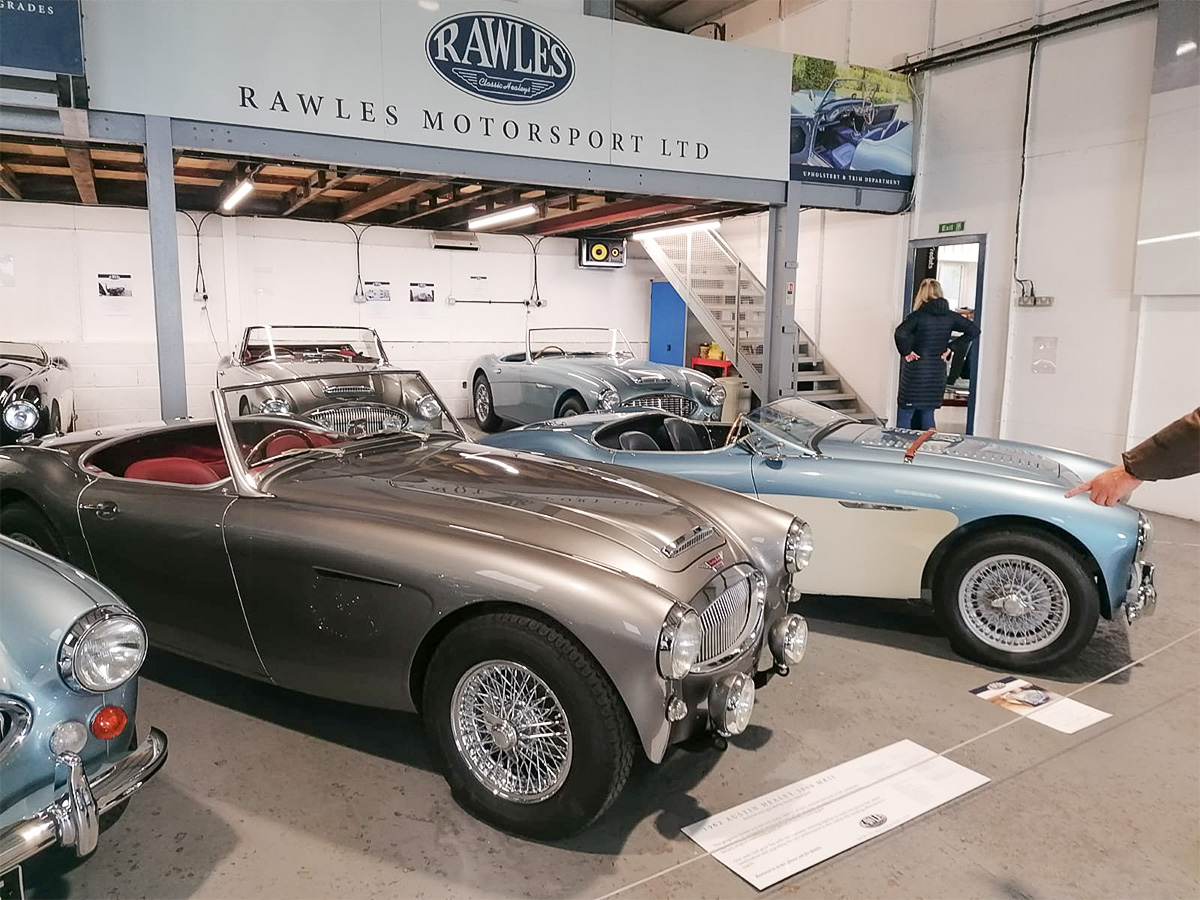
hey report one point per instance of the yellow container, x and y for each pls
(714, 352)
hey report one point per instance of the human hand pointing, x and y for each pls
(1108, 488)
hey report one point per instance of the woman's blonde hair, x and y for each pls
(930, 289)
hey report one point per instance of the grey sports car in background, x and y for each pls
(363, 405)
(1018, 573)
(546, 618)
(36, 393)
(568, 371)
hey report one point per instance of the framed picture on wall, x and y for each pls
(377, 291)
(420, 292)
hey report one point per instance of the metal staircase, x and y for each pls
(729, 301)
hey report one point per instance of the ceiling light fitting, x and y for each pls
(505, 215)
(238, 194)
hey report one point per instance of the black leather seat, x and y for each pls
(637, 440)
(686, 436)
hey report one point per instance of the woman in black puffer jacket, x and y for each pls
(923, 340)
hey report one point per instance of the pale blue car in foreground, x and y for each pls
(1018, 573)
(70, 652)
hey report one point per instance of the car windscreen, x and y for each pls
(315, 343)
(323, 411)
(19, 350)
(545, 343)
(797, 421)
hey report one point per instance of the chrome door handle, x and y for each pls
(105, 509)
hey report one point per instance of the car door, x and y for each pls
(161, 548)
(504, 380)
(540, 385)
(868, 541)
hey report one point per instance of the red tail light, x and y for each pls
(109, 722)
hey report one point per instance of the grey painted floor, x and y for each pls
(271, 794)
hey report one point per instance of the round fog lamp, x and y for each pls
(20, 416)
(68, 737)
(428, 407)
(730, 703)
(789, 639)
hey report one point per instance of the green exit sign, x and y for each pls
(951, 226)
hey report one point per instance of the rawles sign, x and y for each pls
(500, 57)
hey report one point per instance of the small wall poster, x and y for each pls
(420, 292)
(113, 285)
(377, 291)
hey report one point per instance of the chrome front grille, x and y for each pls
(15, 722)
(724, 621)
(369, 418)
(675, 404)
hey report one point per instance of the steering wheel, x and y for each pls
(735, 430)
(259, 450)
(547, 349)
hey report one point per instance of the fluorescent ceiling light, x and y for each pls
(505, 215)
(1170, 237)
(237, 195)
(1185, 48)
(678, 229)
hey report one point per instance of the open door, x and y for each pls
(957, 262)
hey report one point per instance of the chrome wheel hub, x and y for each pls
(511, 731)
(1014, 603)
(483, 404)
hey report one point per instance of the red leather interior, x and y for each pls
(172, 469)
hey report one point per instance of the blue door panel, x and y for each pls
(668, 324)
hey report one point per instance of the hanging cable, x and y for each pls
(360, 293)
(200, 289)
(1032, 291)
(535, 295)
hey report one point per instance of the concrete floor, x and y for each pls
(271, 794)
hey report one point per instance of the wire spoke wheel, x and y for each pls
(483, 402)
(1014, 603)
(512, 731)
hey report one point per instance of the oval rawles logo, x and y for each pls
(500, 57)
(872, 821)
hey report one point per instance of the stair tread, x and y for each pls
(827, 395)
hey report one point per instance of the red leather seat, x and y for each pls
(172, 469)
(286, 442)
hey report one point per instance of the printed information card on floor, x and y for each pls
(785, 832)
(1027, 699)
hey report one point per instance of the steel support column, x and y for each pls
(164, 262)
(779, 338)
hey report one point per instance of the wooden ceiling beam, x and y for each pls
(607, 214)
(80, 161)
(457, 200)
(8, 183)
(316, 185)
(386, 193)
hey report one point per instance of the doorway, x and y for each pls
(957, 262)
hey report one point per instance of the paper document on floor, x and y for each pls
(1051, 709)
(784, 832)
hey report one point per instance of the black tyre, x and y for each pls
(481, 403)
(1017, 599)
(24, 523)
(532, 736)
(572, 406)
(243, 407)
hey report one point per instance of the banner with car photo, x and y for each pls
(852, 126)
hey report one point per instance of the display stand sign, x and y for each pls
(779, 834)
(1040, 705)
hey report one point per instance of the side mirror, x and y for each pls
(771, 452)
(59, 362)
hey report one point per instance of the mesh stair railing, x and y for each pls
(729, 301)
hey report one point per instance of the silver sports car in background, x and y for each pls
(568, 371)
(270, 357)
(36, 393)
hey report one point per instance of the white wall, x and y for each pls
(281, 271)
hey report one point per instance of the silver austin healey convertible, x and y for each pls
(548, 619)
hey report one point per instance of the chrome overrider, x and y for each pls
(73, 820)
(1141, 597)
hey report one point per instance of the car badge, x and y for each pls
(872, 821)
(716, 562)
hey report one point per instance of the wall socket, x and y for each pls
(1035, 301)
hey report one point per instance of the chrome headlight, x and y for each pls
(797, 546)
(21, 415)
(609, 400)
(679, 642)
(275, 406)
(1145, 533)
(788, 639)
(730, 703)
(428, 407)
(716, 395)
(102, 650)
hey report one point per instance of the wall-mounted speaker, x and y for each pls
(601, 253)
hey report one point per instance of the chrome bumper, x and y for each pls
(73, 820)
(1142, 597)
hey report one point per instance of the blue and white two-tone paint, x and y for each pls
(501, 58)
(1018, 574)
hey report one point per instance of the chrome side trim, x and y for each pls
(884, 507)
